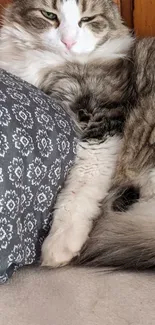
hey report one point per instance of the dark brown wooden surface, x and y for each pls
(126, 7)
(117, 2)
(144, 17)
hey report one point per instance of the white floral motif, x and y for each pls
(23, 141)
(30, 224)
(19, 226)
(44, 143)
(56, 106)
(23, 116)
(1, 175)
(8, 81)
(67, 168)
(4, 146)
(4, 278)
(75, 142)
(63, 145)
(5, 117)
(17, 255)
(12, 78)
(32, 90)
(18, 96)
(63, 124)
(11, 82)
(39, 100)
(6, 232)
(36, 171)
(55, 172)
(44, 119)
(47, 221)
(26, 197)
(15, 170)
(9, 204)
(43, 198)
(30, 251)
(2, 96)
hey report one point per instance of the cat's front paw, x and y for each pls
(59, 248)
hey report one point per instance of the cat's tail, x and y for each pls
(122, 239)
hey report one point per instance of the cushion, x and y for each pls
(37, 149)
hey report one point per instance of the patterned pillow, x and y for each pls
(37, 147)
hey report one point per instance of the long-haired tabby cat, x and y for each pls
(80, 52)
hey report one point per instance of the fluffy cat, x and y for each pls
(79, 51)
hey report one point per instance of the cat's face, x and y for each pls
(75, 26)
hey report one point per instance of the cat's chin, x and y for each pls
(80, 52)
(74, 53)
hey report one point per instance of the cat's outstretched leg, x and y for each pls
(78, 203)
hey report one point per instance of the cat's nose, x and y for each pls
(68, 43)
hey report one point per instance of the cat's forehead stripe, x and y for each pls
(54, 4)
(84, 5)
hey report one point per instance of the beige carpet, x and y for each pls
(77, 297)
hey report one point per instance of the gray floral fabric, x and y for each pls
(37, 148)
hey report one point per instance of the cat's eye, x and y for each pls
(49, 15)
(86, 19)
